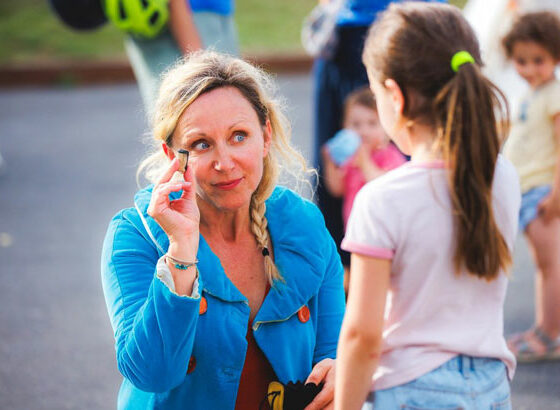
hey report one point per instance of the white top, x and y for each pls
(531, 145)
(431, 314)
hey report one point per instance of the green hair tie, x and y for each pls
(460, 58)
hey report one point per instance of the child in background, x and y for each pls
(349, 164)
(374, 156)
(533, 44)
(431, 241)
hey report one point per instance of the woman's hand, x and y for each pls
(323, 372)
(180, 218)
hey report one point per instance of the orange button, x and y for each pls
(203, 306)
(192, 365)
(303, 314)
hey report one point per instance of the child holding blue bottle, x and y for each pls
(357, 154)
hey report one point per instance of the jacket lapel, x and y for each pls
(296, 254)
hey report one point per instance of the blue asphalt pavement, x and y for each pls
(71, 155)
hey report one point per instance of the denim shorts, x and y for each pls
(463, 382)
(530, 201)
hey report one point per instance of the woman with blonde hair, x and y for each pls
(218, 281)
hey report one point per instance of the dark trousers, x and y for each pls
(334, 80)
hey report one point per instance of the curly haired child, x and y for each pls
(533, 44)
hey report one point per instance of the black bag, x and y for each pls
(80, 14)
(292, 396)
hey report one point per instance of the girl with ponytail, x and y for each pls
(431, 241)
(218, 281)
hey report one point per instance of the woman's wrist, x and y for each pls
(184, 250)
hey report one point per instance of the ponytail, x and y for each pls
(433, 54)
(467, 111)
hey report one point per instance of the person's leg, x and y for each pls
(334, 80)
(543, 341)
(328, 117)
(149, 59)
(217, 32)
(544, 240)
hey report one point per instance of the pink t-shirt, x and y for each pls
(386, 159)
(431, 314)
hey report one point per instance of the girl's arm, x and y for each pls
(361, 338)
(182, 26)
(550, 206)
(334, 176)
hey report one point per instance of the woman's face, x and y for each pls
(227, 145)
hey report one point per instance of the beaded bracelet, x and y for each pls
(179, 264)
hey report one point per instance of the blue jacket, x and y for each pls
(158, 333)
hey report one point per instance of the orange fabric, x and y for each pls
(256, 375)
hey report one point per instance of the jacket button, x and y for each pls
(303, 314)
(192, 365)
(203, 306)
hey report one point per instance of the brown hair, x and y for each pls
(541, 27)
(413, 44)
(361, 96)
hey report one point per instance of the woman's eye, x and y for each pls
(201, 145)
(239, 136)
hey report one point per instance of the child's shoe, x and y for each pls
(534, 346)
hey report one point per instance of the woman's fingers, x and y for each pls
(323, 399)
(160, 195)
(320, 371)
(323, 372)
(191, 192)
(173, 167)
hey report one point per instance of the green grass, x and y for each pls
(30, 32)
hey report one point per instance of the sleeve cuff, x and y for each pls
(374, 252)
(164, 275)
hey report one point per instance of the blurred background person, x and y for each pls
(192, 25)
(533, 46)
(358, 153)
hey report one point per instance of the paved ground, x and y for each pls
(71, 157)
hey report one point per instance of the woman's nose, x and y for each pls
(223, 161)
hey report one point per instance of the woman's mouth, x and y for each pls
(226, 185)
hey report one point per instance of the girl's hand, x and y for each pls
(363, 160)
(549, 208)
(361, 157)
(180, 218)
(323, 372)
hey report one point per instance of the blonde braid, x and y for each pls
(259, 228)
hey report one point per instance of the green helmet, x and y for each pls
(145, 18)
